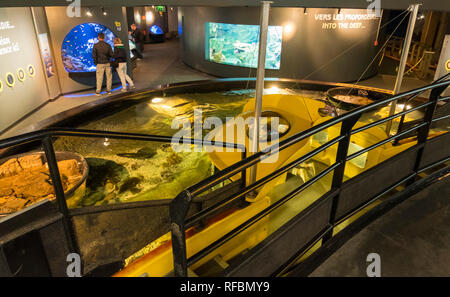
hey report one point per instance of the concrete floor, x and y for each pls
(413, 239)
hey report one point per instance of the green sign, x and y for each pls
(161, 8)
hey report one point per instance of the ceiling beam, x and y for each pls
(436, 5)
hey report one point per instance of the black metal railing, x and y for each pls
(179, 206)
(46, 136)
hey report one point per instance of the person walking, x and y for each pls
(102, 54)
(120, 59)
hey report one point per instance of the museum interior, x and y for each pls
(164, 173)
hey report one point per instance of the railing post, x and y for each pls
(178, 210)
(244, 172)
(338, 176)
(59, 193)
(422, 134)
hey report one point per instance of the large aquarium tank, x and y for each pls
(237, 45)
(76, 50)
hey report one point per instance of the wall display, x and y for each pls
(322, 44)
(76, 50)
(21, 74)
(237, 45)
(46, 54)
(118, 26)
(10, 80)
(19, 47)
(31, 70)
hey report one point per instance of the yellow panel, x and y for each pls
(161, 264)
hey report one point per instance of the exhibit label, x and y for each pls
(6, 45)
(343, 20)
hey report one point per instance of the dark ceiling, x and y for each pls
(439, 5)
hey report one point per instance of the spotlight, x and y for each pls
(272, 90)
(339, 11)
(88, 13)
(157, 100)
(304, 10)
(104, 11)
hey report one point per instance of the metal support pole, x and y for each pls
(414, 9)
(59, 193)
(263, 30)
(338, 175)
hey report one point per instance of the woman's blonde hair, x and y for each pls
(117, 41)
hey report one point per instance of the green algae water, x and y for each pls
(128, 171)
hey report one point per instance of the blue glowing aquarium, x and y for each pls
(76, 50)
(156, 34)
(237, 45)
(155, 29)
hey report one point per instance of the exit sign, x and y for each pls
(161, 8)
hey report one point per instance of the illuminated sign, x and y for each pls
(161, 8)
(1, 86)
(118, 26)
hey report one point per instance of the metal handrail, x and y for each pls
(180, 205)
(255, 158)
(60, 132)
(402, 120)
(46, 135)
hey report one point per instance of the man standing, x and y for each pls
(138, 39)
(102, 54)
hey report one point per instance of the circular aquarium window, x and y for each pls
(270, 130)
(155, 29)
(76, 50)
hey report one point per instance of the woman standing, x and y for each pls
(120, 59)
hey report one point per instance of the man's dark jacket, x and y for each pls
(138, 36)
(102, 53)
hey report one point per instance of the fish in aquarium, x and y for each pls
(235, 44)
(76, 50)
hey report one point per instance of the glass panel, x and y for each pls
(238, 45)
